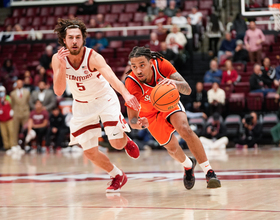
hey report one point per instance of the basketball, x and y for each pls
(164, 97)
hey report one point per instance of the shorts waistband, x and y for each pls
(81, 101)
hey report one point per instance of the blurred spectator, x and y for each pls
(252, 134)
(227, 48)
(258, 83)
(19, 35)
(8, 71)
(161, 4)
(239, 26)
(214, 31)
(170, 11)
(168, 53)
(174, 46)
(178, 19)
(43, 75)
(269, 73)
(240, 53)
(277, 75)
(27, 73)
(7, 37)
(57, 128)
(46, 58)
(253, 39)
(196, 22)
(100, 21)
(275, 133)
(6, 120)
(38, 121)
(230, 75)
(27, 84)
(160, 18)
(189, 44)
(92, 23)
(214, 74)
(198, 99)
(99, 42)
(20, 104)
(178, 36)
(215, 134)
(143, 7)
(87, 8)
(216, 98)
(44, 95)
(161, 32)
(154, 43)
(152, 12)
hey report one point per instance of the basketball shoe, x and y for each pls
(132, 149)
(212, 180)
(189, 178)
(117, 183)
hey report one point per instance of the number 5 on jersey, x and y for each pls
(81, 87)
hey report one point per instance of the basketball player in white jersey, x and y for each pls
(88, 76)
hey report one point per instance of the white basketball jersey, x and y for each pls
(85, 84)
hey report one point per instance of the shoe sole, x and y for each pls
(213, 183)
(119, 189)
(131, 156)
(194, 164)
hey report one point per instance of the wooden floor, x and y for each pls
(68, 186)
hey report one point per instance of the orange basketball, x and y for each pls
(164, 97)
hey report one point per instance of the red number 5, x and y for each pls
(81, 87)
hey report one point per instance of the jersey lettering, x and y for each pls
(147, 98)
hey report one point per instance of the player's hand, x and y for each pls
(168, 82)
(143, 122)
(61, 54)
(132, 102)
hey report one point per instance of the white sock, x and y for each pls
(187, 163)
(115, 171)
(205, 166)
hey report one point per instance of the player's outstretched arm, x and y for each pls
(59, 71)
(179, 82)
(134, 120)
(98, 62)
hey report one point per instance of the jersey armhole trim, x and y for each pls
(136, 83)
(88, 61)
(158, 69)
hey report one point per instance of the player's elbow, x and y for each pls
(189, 91)
(58, 92)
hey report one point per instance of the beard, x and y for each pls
(75, 52)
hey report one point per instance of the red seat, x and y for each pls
(254, 101)
(50, 36)
(112, 33)
(207, 86)
(142, 32)
(32, 12)
(130, 33)
(189, 4)
(38, 47)
(143, 43)
(111, 18)
(269, 39)
(72, 10)
(18, 12)
(117, 8)
(204, 12)
(23, 48)
(236, 102)
(228, 88)
(120, 62)
(131, 7)
(103, 9)
(8, 48)
(59, 11)
(271, 104)
(115, 44)
(139, 16)
(127, 17)
(108, 53)
(239, 67)
(10, 21)
(245, 77)
(133, 24)
(37, 21)
(46, 11)
(84, 18)
(242, 87)
(205, 4)
(24, 21)
(122, 52)
(130, 43)
(51, 21)
(120, 71)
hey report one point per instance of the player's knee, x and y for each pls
(118, 143)
(185, 130)
(171, 149)
(91, 153)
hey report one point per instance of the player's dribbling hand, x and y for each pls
(168, 82)
(61, 54)
(132, 102)
(143, 122)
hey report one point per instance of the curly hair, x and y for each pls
(64, 24)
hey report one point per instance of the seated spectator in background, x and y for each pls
(227, 48)
(168, 53)
(6, 120)
(161, 32)
(154, 43)
(46, 58)
(27, 73)
(43, 75)
(57, 129)
(27, 84)
(38, 122)
(93, 23)
(269, 73)
(215, 134)
(99, 42)
(8, 72)
(252, 134)
(214, 31)
(19, 35)
(216, 98)
(87, 8)
(196, 22)
(258, 83)
(170, 11)
(178, 36)
(143, 7)
(239, 26)
(198, 99)
(161, 4)
(240, 53)
(7, 37)
(178, 19)
(100, 21)
(20, 104)
(189, 44)
(277, 77)
(230, 75)
(152, 12)
(44, 95)
(253, 40)
(161, 18)
(174, 46)
(214, 74)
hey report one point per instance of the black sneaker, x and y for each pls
(212, 180)
(189, 178)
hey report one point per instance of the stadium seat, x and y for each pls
(207, 86)
(228, 88)
(205, 4)
(189, 4)
(112, 33)
(236, 102)
(242, 87)
(143, 43)
(115, 44)
(10, 21)
(200, 125)
(23, 48)
(255, 101)
(72, 10)
(122, 52)
(269, 121)
(24, 21)
(111, 18)
(269, 39)
(139, 17)
(32, 12)
(51, 21)
(38, 47)
(127, 17)
(37, 21)
(117, 8)
(59, 11)
(245, 76)
(239, 67)
(130, 43)
(131, 7)
(119, 71)
(18, 12)
(8, 48)
(104, 9)
(133, 24)
(46, 11)
(233, 124)
(108, 53)
(142, 32)
(271, 104)
(50, 36)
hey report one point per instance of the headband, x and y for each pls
(72, 26)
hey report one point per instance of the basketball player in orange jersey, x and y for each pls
(147, 70)
(88, 77)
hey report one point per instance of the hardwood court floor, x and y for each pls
(42, 187)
